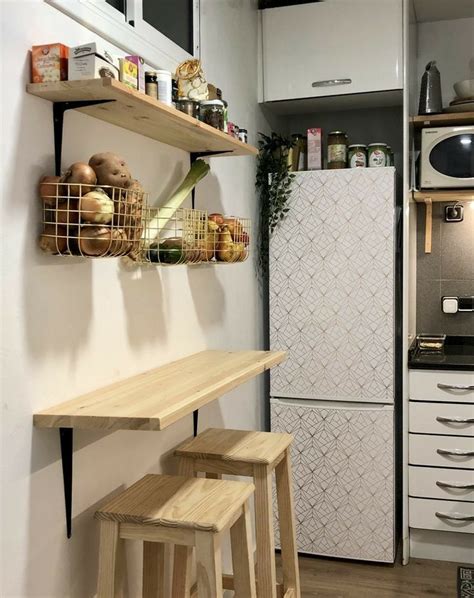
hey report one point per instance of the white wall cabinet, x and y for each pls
(308, 46)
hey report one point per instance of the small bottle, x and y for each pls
(243, 135)
(151, 84)
(164, 86)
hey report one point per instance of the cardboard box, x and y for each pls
(128, 73)
(49, 63)
(314, 149)
(91, 49)
(140, 64)
(91, 67)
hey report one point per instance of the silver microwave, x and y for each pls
(447, 158)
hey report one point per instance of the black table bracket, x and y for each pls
(66, 440)
(59, 108)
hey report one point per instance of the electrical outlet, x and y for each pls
(454, 213)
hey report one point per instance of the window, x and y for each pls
(163, 32)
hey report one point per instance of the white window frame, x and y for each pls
(142, 39)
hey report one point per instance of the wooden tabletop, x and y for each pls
(160, 397)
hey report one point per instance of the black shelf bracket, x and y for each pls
(66, 440)
(59, 108)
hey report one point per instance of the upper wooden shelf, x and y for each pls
(436, 195)
(142, 114)
(160, 397)
(445, 119)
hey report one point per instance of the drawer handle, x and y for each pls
(455, 386)
(456, 485)
(455, 452)
(454, 516)
(331, 82)
(455, 420)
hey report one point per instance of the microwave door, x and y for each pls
(448, 158)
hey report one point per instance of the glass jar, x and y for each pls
(243, 135)
(390, 157)
(377, 155)
(211, 112)
(357, 155)
(190, 107)
(151, 84)
(337, 149)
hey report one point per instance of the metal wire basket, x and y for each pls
(90, 221)
(174, 236)
(229, 238)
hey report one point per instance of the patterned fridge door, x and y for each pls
(332, 287)
(343, 478)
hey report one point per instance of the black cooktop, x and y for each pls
(457, 354)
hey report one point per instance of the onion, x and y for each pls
(102, 240)
(49, 190)
(53, 239)
(81, 173)
(96, 207)
(67, 212)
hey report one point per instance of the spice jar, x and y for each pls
(337, 149)
(164, 86)
(378, 155)
(151, 84)
(190, 107)
(211, 112)
(357, 155)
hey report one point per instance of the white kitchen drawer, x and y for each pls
(441, 515)
(435, 482)
(440, 451)
(441, 418)
(326, 41)
(431, 385)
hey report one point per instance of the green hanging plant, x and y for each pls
(274, 187)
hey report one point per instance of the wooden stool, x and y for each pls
(256, 454)
(190, 512)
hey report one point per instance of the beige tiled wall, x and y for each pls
(447, 270)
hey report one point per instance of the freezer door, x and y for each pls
(332, 287)
(343, 479)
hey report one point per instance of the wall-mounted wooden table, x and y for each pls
(152, 400)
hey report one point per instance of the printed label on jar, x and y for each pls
(358, 160)
(377, 158)
(337, 152)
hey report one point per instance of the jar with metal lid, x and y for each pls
(243, 135)
(391, 158)
(377, 155)
(357, 155)
(337, 149)
(190, 107)
(211, 112)
(151, 84)
(163, 79)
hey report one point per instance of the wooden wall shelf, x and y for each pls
(142, 114)
(446, 195)
(443, 120)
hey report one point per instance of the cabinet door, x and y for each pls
(316, 43)
(343, 478)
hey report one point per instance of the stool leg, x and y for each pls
(108, 555)
(182, 572)
(242, 556)
(153, 570)
(208, 565)
(289, 553)
(266, 570)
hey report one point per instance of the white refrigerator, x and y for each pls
(332, 308)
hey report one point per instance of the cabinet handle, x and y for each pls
(456, 485)
(443, 386)
(331, 82)
(455, 420)
(455, 452)
(454, 516)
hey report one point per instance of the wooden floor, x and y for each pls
(330, 578)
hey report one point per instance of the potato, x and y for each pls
(49, 190)
(111, 170)
(53, 239)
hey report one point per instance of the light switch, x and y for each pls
(450, 305)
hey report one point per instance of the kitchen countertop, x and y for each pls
(458, 354)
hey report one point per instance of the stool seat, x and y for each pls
(261, 448)
(178, 502)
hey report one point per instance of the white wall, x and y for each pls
(451, 44)
(70, 326)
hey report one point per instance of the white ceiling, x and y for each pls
(443, 10)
